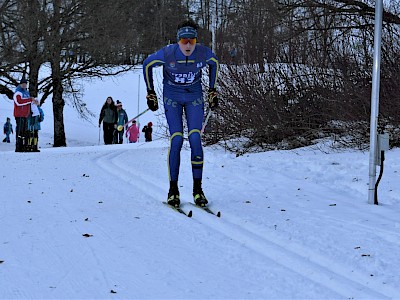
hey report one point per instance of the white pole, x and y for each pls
(138, 101)
(375, 100)
(138, 98)
(214, 27)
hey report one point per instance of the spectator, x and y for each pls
(122, 120)
(132, 133)
(109, 117)
(34, 120)
(22, 110)
(148, 132)
(7, 130)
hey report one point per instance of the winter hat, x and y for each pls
(134, 121)
(119, 103)
(186, 32)
(23, 80)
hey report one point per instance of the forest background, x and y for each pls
(292, 72)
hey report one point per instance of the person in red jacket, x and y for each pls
(132, 133)
(22, 110)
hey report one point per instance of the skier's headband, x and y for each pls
(186, 33)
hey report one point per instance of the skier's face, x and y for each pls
(187, 46)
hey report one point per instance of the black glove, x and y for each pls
(212, 98)
(152, 101)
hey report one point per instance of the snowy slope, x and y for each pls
(295, 224)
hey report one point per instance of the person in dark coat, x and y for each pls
(109, 116)
(7, 129)
(148, 132)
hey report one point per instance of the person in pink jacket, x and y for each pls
(132, 133)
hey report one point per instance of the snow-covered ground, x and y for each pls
(87, 222)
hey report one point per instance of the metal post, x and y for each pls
(375, 100)
(138, 97)
(214, 28)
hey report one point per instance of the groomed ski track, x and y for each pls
(332, 277)
(91, 225)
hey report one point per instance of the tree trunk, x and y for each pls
(58, 106)
(33, 77)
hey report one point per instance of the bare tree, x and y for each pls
(318, 80)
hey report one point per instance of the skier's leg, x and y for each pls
(194, 115)
(173, 114)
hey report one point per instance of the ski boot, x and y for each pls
(173, 197)
(199, 198)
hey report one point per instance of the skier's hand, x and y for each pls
(212, 98)
(152, 101)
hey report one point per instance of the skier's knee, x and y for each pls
(195, 138)
(177, 141)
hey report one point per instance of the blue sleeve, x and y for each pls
(154, 60)
(212, 61)
(41, 114)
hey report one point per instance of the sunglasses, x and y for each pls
(184, 41)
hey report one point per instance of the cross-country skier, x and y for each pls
(182, 91)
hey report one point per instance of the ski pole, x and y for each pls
(206, 121)
(143, 112)
(99, 134)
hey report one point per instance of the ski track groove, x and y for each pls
(343, 281)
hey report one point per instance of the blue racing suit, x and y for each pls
(182, 91)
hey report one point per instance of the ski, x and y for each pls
(179, 210)
(206, 209)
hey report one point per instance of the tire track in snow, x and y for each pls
(303, 261)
